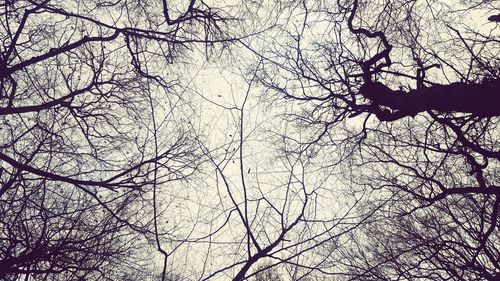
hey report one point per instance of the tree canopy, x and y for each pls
(249, 140)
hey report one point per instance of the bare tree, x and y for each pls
(270, 200)
(78, 160)
(360, 141)
(405, 92)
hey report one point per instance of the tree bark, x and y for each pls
(481, 99)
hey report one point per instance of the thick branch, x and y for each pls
(49, 175)
(57, 51)
(45, 105)
(480, 99)
(491, 190)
